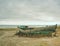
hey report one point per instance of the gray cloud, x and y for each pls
(30, 11)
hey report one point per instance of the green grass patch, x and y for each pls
(1, 33)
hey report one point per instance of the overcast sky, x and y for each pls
(29, 12)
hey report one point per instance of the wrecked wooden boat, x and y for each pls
(37, 31)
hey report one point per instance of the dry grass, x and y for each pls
(7, 38)
(7, 42)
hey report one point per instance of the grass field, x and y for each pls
(7, 38)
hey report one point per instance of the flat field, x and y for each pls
(7, 38)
